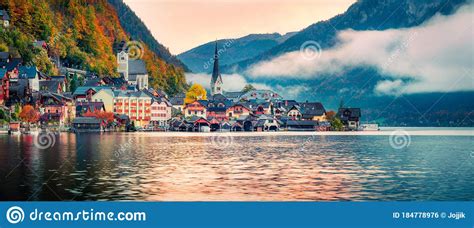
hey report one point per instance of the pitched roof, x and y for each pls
(128, 93)
(12, 64)
(49, 85)
(345, 113)
(233, 95)
(310, 109)
(29, 72)
(136, 66)
(4, 55)
(3, 72)
(177, 100)
(83, 89)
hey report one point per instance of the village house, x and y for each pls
(196, 108)
(267, 123)
(32, 74)
(217, 108)
(236, 110)
(350, 117)
(136, 105)
(56, 108)
(4, 87)
(178, 102)
(160, 112)
(105, 96)
(88, 106)
(86, 124)
(53, 86)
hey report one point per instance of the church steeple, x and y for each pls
(216, 80)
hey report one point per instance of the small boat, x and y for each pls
(368, 127)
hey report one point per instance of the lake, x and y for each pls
(384, 166)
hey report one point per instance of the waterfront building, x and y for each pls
(313, 111)
(350, 117)
(136, 105)
(217, 109)
(86, 124)
(160, 112)
(267, 123)
(88, 106)
(236, 110)
(56, 108)
(197, 108)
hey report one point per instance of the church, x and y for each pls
(216, 80)
(132, 70)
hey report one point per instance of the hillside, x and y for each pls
(134, 26)
(236, 50)
(81, 33)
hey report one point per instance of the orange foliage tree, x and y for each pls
(105, 117)
(29, 115)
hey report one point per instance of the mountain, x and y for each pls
(362, 15)
(81, 34)
(199, 59)
(355, 86)
(134, 26)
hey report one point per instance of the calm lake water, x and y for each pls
(144, 167)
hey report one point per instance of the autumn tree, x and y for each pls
(196, 92)
(29, 115)
(330, 115)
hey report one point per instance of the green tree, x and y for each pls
(73, 84)
(336, 124)
(248, 87)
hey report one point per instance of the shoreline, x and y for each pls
(383, 132)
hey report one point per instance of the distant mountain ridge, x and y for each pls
(362, 15)
(234, 50)
(355, 87)
(133, 25)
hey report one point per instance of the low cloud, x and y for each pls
(437, 56)
(232, 82)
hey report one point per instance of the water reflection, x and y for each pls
(284, 168)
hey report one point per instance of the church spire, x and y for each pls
(216, 80)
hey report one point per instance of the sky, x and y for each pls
(181, 25)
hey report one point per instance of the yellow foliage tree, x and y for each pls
(196, 92)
